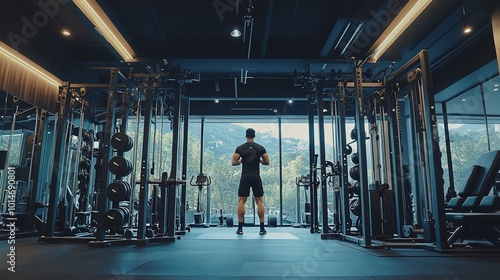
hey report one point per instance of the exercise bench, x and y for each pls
(474, 212)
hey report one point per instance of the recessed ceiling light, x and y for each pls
(290, 101)
(463, 99)
(216, 100)
(235, 33)
(65, 32)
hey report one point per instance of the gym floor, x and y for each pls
(218, 253)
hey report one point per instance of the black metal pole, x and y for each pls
(182, 207)
(106, 154)
(434, 153)
(35, 169)
(322, 158)
(202, 144)
(415, 158)
(344, 177)
(481, 88)
(397, 180)
(451, 189)
(55, 185)
(312, 160)
(171, 189)
(363, 176)
(202, 133)
(144, 179)
(281, 170)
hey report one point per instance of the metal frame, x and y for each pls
(451, 190)
(344, 177)
(322, 157)
(363, 165)
(182, 213)
(36, 170)
(313, 198)
(280, 151)
(426, 154)
(144, 179)
(106, 154)
(55, 185)
(173, 168)
(397, 179)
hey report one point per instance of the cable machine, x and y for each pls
(389, 174)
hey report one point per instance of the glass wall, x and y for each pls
(491, 91)
(474, 127)
(221, 139)
(468, 137)
(295, 163)
(193, 164)
(222, 136)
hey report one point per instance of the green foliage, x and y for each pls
(466, 145)
(221, 140)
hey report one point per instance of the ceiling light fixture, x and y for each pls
(290, 101)
(467, 28)
(216, 100)
(29, 64)
(248, 28)
(235, 33)
(66, 32)
(400, 23)
(105, 26)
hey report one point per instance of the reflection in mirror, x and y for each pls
(23, 191)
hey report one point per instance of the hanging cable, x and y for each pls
(154, 134)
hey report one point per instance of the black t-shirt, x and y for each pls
(250, 153)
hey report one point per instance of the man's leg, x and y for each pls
(241, 213)
(241, 208)
(260, 208)
(261, 211)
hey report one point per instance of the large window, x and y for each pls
(221, 140)
(468, 137)
(221, 136)
(295, 163)
(491, 91)
(12, 146)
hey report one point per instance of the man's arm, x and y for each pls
(236, 159)
(265, 159)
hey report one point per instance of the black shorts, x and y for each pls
(253, 181)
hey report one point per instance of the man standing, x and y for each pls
(250, 155)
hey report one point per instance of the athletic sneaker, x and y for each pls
(239, 231)
(262, 231)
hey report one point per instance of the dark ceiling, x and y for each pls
(289, 38)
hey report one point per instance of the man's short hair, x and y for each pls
(250, 133)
